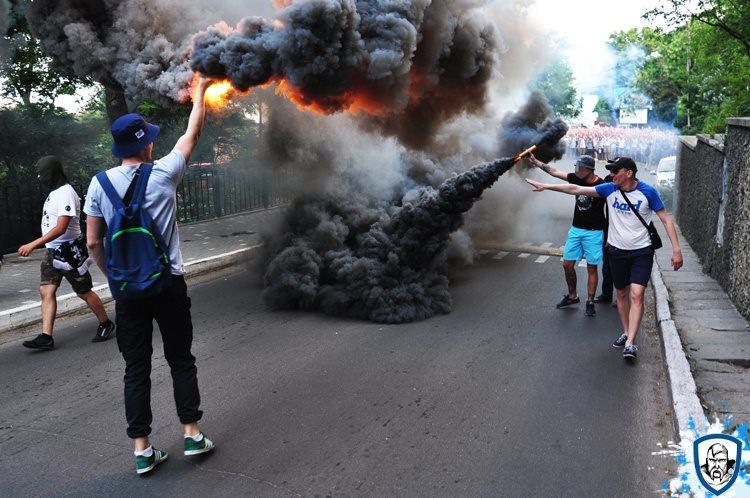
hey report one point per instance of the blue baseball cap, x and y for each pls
(131, 134)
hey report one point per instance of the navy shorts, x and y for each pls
(630, 267)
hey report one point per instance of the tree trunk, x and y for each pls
(114, 100)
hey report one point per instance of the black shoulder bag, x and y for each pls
(652, 233)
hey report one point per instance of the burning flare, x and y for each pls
(218, 94)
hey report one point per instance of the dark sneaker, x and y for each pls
(42, 341)
(145, 464)
(601, 299)
(567, 301)
(630, 352)
(590, 309)
(620, 342)
(193, 447)
(104, 331)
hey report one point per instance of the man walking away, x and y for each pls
(65, 255)
(585, 237)
(149, 191)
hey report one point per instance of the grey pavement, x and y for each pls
(19, 277)
(504, 396)
(715, 336)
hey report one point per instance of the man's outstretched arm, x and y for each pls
(565, 188)
(547, 168)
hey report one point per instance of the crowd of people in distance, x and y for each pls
(644, 145)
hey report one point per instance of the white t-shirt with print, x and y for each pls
(160, 199)
(625, 229)
(63, 201)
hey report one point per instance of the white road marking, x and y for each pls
(541, 259)
(500, 255)
(22, 291)
(524, 255)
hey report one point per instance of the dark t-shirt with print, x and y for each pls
(589, 211)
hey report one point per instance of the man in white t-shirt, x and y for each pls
(629, 243)
(133, 140)
(61, 228)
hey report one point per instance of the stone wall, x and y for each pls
(713, 206)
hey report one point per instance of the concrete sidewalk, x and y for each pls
(205, 245)
(714, 336)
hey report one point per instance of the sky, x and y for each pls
(584, 26)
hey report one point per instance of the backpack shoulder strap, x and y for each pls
(140, 186)
(109, 190)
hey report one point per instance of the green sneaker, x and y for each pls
(193, 447)
(145, 464)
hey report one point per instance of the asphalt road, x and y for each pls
(505, 396)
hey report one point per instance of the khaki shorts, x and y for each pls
(52, 276)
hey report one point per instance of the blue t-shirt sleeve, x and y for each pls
(605, 189)
(654, 200)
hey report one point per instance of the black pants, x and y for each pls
(171, 310)
(607, 285)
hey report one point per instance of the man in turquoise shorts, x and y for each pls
(586, 236)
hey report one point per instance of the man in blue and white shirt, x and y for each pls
(629, 243)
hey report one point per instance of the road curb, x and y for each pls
(688, 411)
(30, 314)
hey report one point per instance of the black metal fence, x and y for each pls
(204, 193)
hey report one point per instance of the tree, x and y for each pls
(28, 74)
(695, 75)
(732, 17)
(556, 83)
(604, 112)
(30, 132)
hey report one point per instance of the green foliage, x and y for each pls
(603, 111)
(28, 75)
(696, 74)
(30, 132)
(556, 83)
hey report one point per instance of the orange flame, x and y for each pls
(352, 101)
(218, 94)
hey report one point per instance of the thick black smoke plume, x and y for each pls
(533, 124)
(137, 45)
(379, 262)
(408, 65)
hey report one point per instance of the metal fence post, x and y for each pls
(217, 192)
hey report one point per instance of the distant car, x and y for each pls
(665, 172)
